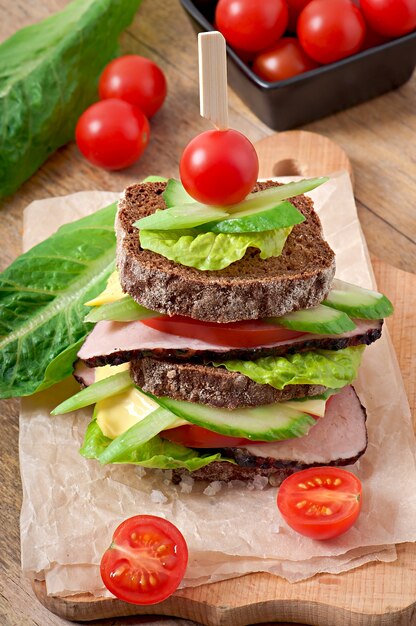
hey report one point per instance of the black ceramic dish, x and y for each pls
(320, 92)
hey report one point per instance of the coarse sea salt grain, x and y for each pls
(213, 488)
(258, 483)
(158, 497)
(186, 484)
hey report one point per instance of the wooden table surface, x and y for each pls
(379, 137)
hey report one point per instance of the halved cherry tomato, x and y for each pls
(197, 437)
(219, 167)
(146, 561)
(247, 334)
(320, 502)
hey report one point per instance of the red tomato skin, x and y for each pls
(158, 529)
(373, 39)
(330, 30)
(112, 134)
(247, 334)
(390, 18)
(324, 526)
(283, 60)
(198, 437)
(295, 8)
(219, 167)
(251, 24)
(136, 80)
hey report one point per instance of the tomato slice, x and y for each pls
(247, 334)
(146, 561)
(197, 437)
(320, 502)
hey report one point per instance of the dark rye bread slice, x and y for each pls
(251, 288)
(206, 384)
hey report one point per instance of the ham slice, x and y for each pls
(117, 342)
(339, 438)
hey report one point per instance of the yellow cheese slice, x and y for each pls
(111, 293)
(117, 414)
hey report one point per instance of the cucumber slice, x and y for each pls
(190, 215)
(124, 310)
(270, 422)
(357, 301)
(175, 194)
(280, 216)
(181, 217)
(93, 393)
(319, 320)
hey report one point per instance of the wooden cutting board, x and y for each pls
(373, 595)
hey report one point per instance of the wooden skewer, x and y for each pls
(213, 96)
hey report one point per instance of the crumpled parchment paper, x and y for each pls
(71, 505)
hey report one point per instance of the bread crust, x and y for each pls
(206, 384)
(251, 288)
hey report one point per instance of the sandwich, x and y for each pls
(223, 347)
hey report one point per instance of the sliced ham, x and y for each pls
(339, 435)
(117, 342)
(338, 438)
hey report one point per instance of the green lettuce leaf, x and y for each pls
(211, 251)
(155, 453)
(331, 368)
(48, 76)
(42, 297)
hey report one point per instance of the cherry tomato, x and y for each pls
(284, 59)
(247, 334)
(330, 30)
(295, 7)
(112, 134)
(136, 80)
(320, 502)
(373, 39)
(219, 167)
(146, 560)
(391, 18)
(251, 24)
(197, 437)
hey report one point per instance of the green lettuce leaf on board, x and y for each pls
(331, 368)
(155, 453)
(48, 76)
(211, 251)
(42, 295)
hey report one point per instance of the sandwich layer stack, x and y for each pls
(235, 372)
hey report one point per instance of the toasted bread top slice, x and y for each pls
(251, 288)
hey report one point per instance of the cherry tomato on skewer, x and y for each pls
(219, 167)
